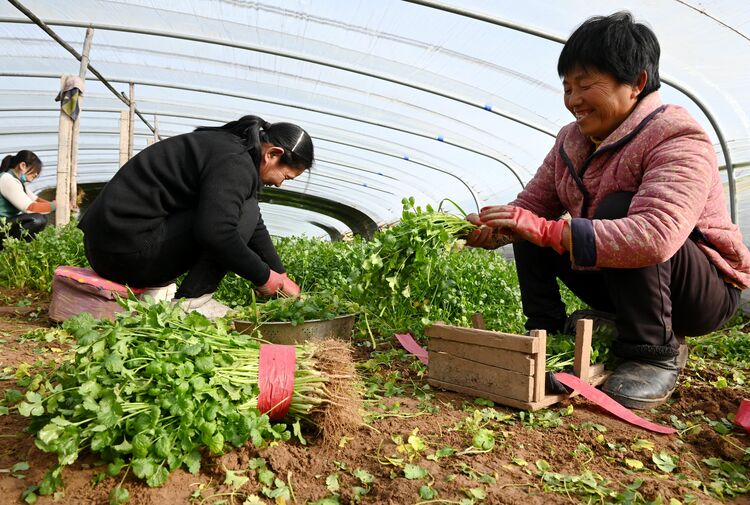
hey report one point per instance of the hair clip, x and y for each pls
(301, 134)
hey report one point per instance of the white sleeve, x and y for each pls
(31, 194)
(12, 189)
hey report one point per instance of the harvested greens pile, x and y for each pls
(153, 389)
(406, 272)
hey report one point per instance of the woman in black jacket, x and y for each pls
(190, 204)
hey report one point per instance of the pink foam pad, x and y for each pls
(88, 276)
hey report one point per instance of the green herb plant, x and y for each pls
(151, 390)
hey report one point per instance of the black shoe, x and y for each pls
(643, 384)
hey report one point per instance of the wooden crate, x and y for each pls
(505, 368)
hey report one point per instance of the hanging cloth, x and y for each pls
(71, 88)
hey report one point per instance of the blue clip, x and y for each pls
(488, 107)
(441, 138)
(406, 157)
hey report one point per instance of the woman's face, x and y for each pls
(28, 171)
(598, 101)
(272, 171)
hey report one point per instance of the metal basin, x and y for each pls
(314, 329)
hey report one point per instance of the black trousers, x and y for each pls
(24, 226)
(653, 305)
(172, 251)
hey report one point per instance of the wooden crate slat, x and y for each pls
(497, 398)
(455, 370)
(509, 360)
(505, 368)
(540, 364)
(487, 338)
(582, 360)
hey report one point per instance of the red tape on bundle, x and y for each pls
(743, 415)
(276, 367)
(583, 388)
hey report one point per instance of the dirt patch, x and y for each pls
(369, 462)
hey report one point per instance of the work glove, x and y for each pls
(279, 283)
(485, 236)
(526, 225)
(290, 288)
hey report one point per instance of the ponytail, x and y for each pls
(255, 131)
(32, 161)
(6, 163)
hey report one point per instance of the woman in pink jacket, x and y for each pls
(649, 238)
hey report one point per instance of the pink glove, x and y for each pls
(290, 288)
(274, 283)
(526, 225)
(486, 237)
(279, 283)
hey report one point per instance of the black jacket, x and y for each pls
(208, 171)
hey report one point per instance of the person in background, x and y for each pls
(21, 211)
(649, 237)
(189, 204)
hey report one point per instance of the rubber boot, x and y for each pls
(645, 383)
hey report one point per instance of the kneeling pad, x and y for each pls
(76, 290)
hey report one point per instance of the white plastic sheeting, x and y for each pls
(401, 99)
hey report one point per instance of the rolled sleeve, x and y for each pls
(584, 242)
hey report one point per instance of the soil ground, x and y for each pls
(572, 453)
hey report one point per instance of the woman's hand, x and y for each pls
(290, 288)
(527, 226)
(486, 237)
(279, 283)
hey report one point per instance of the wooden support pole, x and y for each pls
(77, 124)
(62, 192)
(131, 120)
(155, 138)
(67, 157)
(124, 136)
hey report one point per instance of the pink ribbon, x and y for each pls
(408, 343)
(594, 395)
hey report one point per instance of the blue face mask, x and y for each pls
(22, 178)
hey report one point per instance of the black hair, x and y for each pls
(615, 44)
(254, 131)
(32, 161)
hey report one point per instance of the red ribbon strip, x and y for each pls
(592, 394)
(408, 343)
(276, 367)
(743, 415)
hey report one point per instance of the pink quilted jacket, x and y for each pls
(662, 155)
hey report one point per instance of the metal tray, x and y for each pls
(314, 329)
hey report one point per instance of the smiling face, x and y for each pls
(272, 171)
(598, 101)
